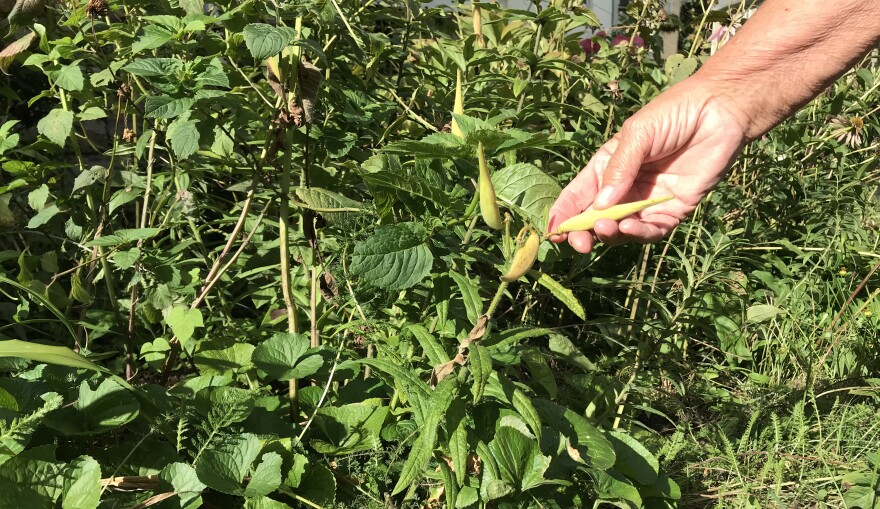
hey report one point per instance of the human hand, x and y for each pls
(679, 144)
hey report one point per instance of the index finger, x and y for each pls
(579, 194)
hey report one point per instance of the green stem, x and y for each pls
(496, 299)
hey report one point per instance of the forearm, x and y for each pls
(787, 54)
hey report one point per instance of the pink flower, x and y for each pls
(720, 31)
(591, 46)
(638, 42)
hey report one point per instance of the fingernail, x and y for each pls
(604, 197)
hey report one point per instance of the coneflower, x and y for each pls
(847, 130)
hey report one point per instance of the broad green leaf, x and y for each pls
(59, 355)
(266, 477)
(91, 113)
(318, 485)
(283, 357)
(224, 466)
(43, 216)
(437, 145)
(678, 67)
(326, 201)
(152, 37)
(70, 77)
(633, 459)
(527, 190)
(126, 259)
(164, 106)
(184, 138)
(153, 67)
(467, 497)
(107, 407)
(450, 485)
(395, 257)
(505, 339)
(480, 364)
(411, 185)
(264, 41)
(563, 294)
(264, 503)
(593, 447)
(82, 484)
(186, 485)
(502, 389)
(415, 389)
(349, 429)
(519, 459)
(611, 485)
(470, 295)
(183, 321)
(56, 126)
(540, 373)
(38, 197)
(433, 349)
(761, 313)
(423, 448)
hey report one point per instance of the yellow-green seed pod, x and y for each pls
(478, 25)
(458, 107)
(488, 202)
(524, 258)
(587, 220)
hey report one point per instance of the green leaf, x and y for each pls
(91, 113)
(70, 77)
(153, 67)
(224, 466)
(264, 40)
(183, 137)
(519, 459)
(456, 429)
(423, 448)
(325, 201)
(395, 257)
(82, 484)
(611, 485)
(527, 190)
(266, 477)
(761, 313)
(59, 355)
(183, 321)
(565, 349)
(43, 216)
(164, 106)
(433, 349)
(633, 459)
(411, 185)
(318, 485)
(480, 363)
(540, 373)
(563, 294)
(594, 449)
(467, 497)
(56, 126)
(450, 485)
(124, 236)
(502, 389)
(16, 434)
(264, 503)
(152, 37)
(186, 484)
(13, 49)
(283, 357)
(38, 197)
(415, 389)
(470, 295)
(351, 428)
(126, 259)
(678, 67)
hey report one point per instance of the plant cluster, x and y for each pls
(264, 254)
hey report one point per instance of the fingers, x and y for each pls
(650, 228)
(575, 198)
(633, 145)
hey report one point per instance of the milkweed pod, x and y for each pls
(478, 24)
(524, 258)
(488, 202)
(458, 107)
(587, 220)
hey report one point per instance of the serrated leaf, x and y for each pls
(152, 67)
(527, 190)
(633, 459)
(266, 477)
(224, 466)
(351, 428)
(82, 484)
(56, 126)
(43, 216)
(411, 185)
(324, 200)
(395, 257)
(470, 295)
(183, 321)
(318, 485)
(126, 259)
(423, 448)
(164, 106)
(186, 484)
(456, 429)
(415, 389)
(264, 41)
(124, 236)
(519, 459)
(480, 363)
(152, 37)
(70, 77)
(15, 48)
(184, 138)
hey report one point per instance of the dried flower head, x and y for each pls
(97, 9)
(127, 135)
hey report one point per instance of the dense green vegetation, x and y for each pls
(244, 265)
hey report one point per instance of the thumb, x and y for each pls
(633, 146)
